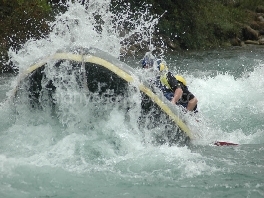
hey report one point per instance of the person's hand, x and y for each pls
(173, 101)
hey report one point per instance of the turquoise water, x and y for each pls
(88, 150)
(89, 156)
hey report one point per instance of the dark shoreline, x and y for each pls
(21, 22)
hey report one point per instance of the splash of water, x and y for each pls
(91, 25)
(95, 25)
(231, 108)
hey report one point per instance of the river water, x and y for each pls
(94, 151)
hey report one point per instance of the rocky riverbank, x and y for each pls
(23, 20)
(251, 33)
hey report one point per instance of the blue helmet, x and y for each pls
(148, 60)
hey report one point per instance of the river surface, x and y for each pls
(88, 151)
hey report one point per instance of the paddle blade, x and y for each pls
(218, 143)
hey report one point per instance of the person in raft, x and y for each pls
(173, 87)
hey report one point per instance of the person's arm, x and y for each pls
(177, 95)
(192, 103)
(175, 86)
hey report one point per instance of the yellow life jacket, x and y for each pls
(164, 80)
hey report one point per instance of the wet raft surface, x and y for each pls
(39, 87)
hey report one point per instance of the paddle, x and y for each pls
(220, 143)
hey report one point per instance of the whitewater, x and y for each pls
(89, 149)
